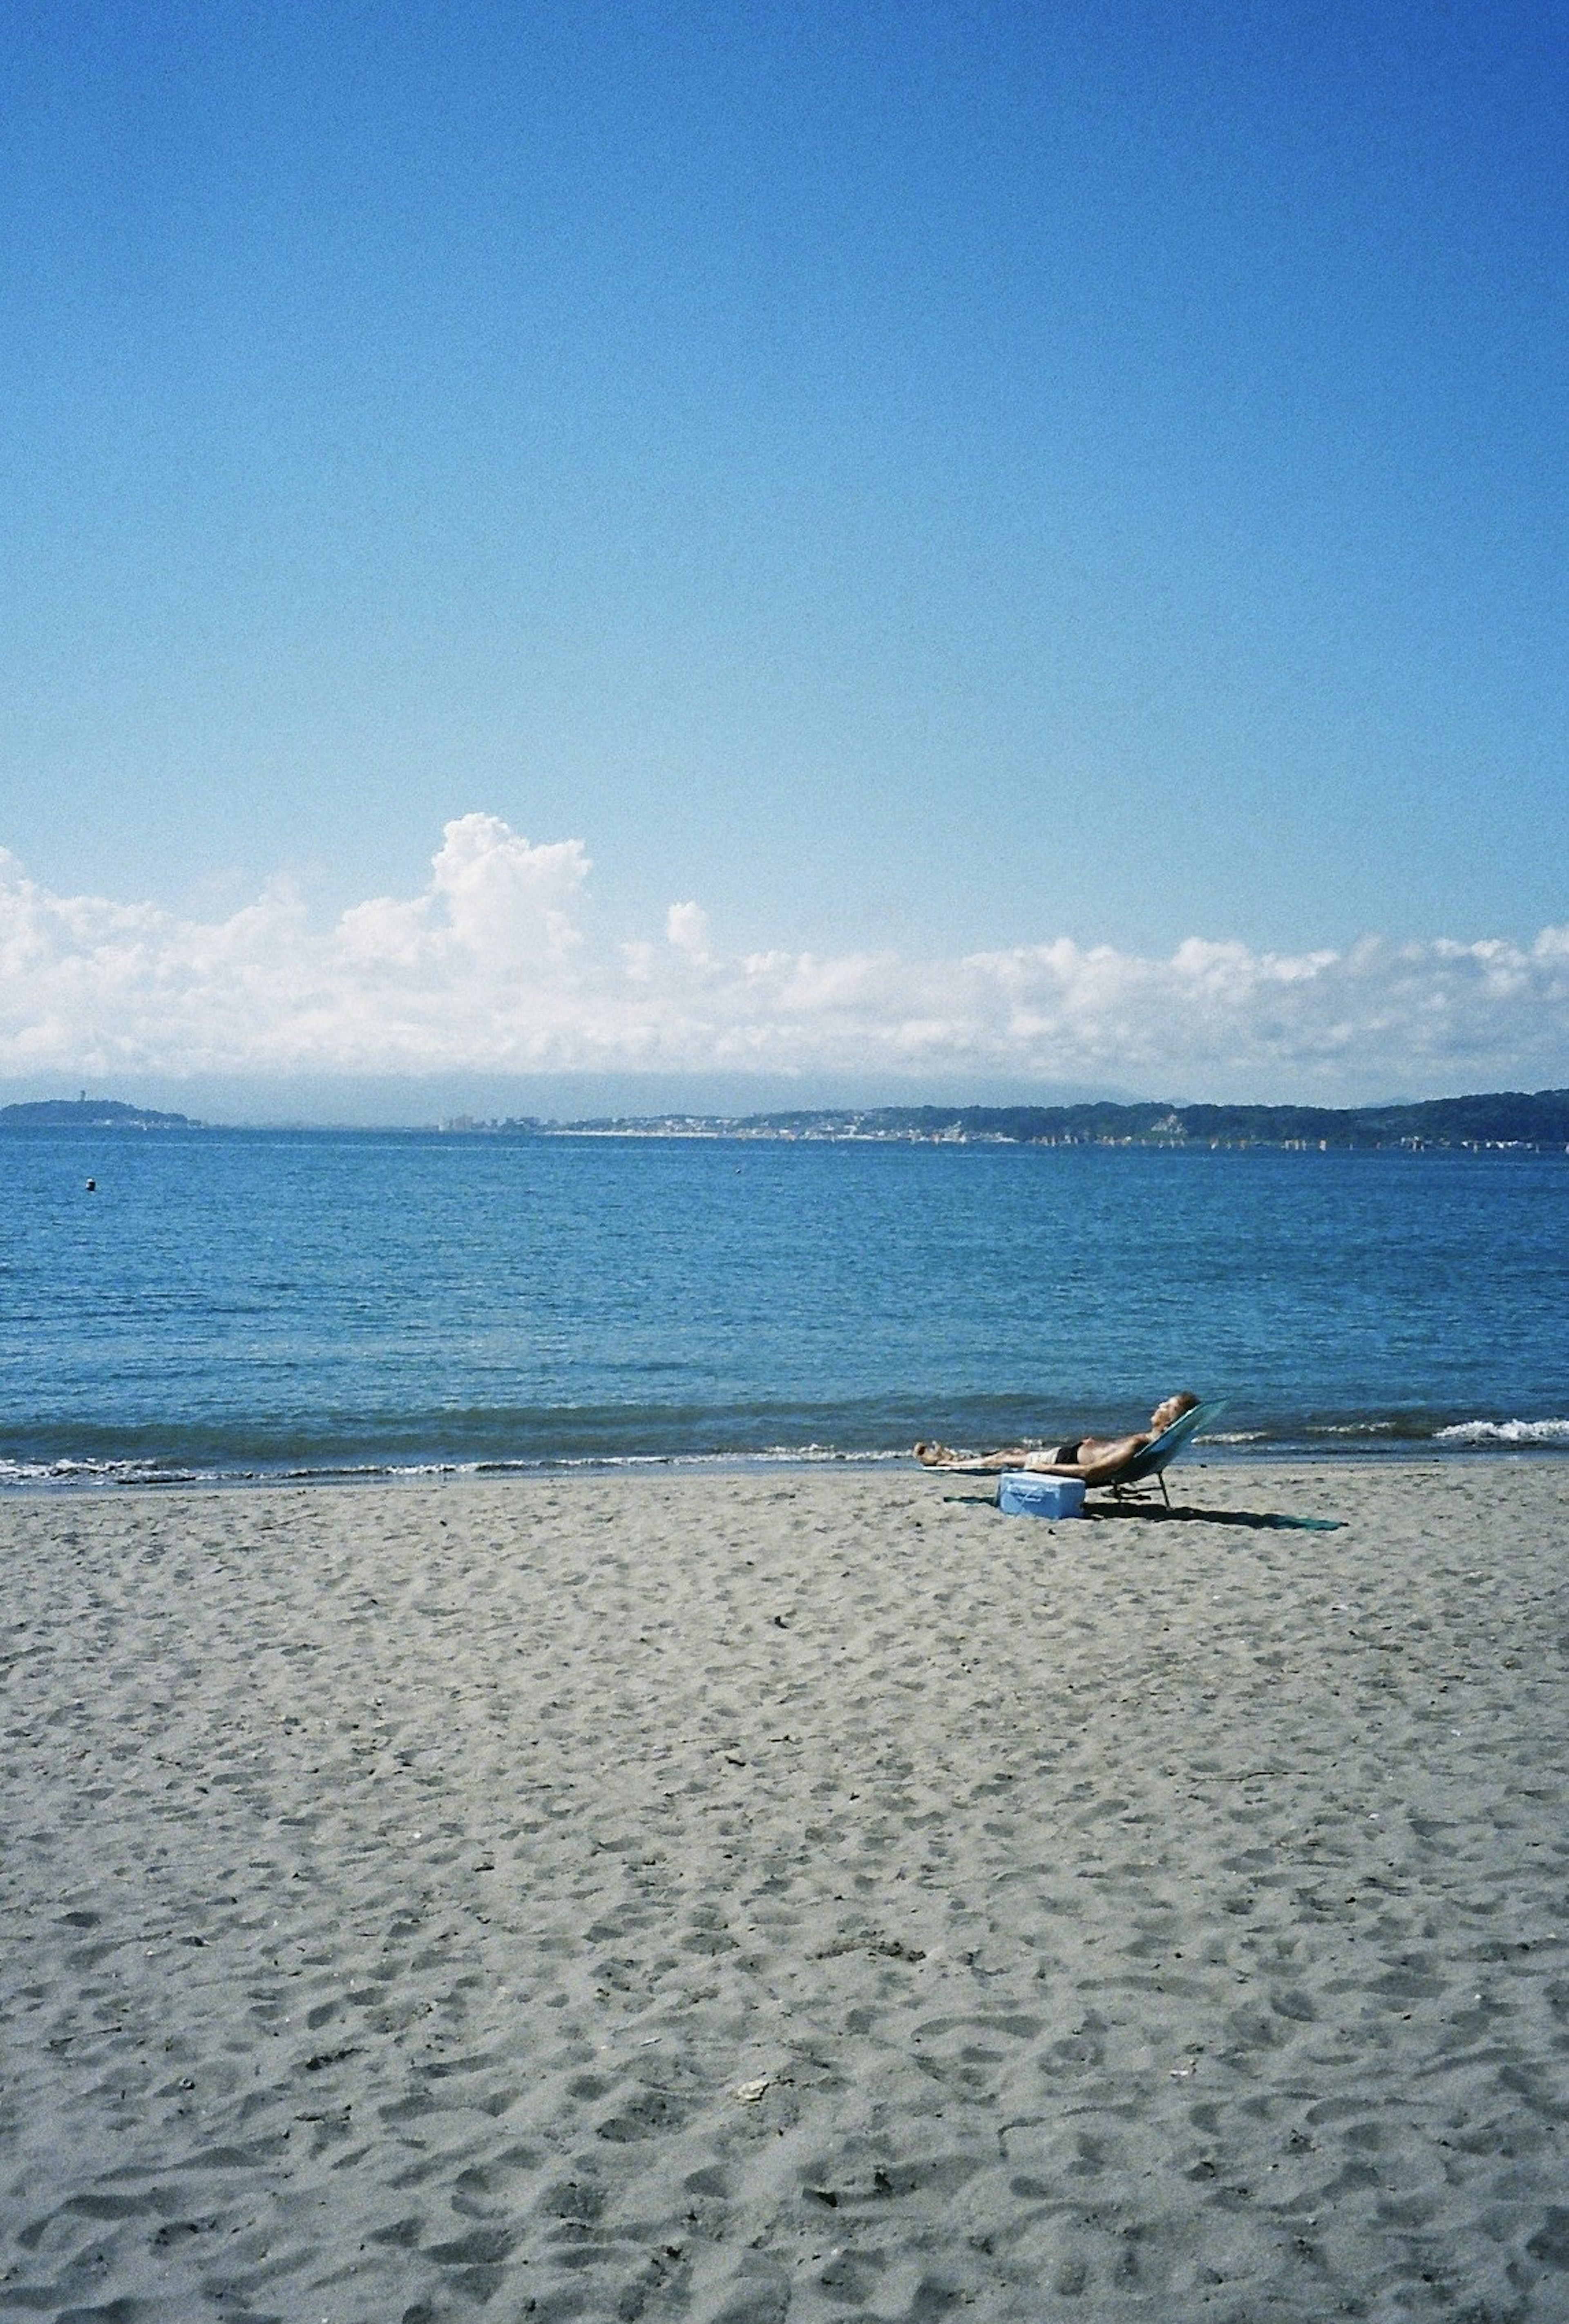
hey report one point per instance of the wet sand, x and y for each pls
(788, 1895)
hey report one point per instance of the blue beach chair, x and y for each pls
(1161, 1451)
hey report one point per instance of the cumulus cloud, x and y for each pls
(488, 970)
(686, 927)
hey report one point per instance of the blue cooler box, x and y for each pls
(1021, 1493)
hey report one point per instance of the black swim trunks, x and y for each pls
(1065, 1452)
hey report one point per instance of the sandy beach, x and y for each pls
(791, 1895)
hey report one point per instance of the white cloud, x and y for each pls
(494, 902)
(686, 927)
(489, 971)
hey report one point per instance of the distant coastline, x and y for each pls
(90, 1113)
(1501, 1120)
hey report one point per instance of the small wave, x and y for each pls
(351, 1472)
(1505, 1432)
(797, 1453)
(88, 1473)
(794, 1456)
(96, 1472)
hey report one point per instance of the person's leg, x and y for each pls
(983, 1464)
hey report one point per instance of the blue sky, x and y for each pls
(927, 478)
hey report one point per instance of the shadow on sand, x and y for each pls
(1254, 1520)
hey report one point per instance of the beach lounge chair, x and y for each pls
(1161, 1451)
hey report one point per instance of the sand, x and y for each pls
(787, 1896)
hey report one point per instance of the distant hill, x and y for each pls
(90, 1113)
(1504, 1118)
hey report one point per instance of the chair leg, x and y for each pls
(1161, 1480)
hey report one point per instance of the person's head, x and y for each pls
(1172, 1409)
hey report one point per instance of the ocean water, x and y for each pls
(235, 1302)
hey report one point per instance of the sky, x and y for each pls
(921, 549)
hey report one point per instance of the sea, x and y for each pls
(232, 1304)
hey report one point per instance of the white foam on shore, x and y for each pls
(97, 1473)
(94, 1472)
(1505, 1432)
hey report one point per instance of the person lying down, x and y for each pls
(1094, 1460)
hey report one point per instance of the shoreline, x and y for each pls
(78, 1478)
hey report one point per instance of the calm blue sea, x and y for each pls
(240, 1302)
